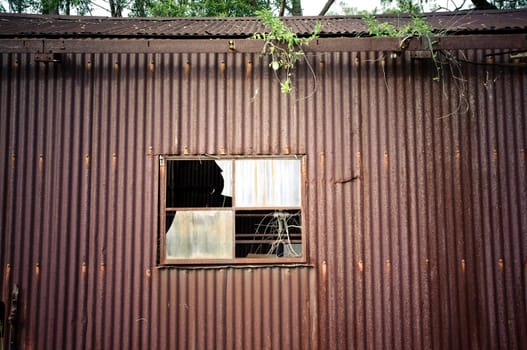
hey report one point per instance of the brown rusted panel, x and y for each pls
(415, 192)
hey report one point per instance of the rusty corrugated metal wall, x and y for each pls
(416, 201)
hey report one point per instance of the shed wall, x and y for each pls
(416, 192)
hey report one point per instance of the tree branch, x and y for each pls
(326, 7)
(483, 5)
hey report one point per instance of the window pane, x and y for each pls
(226, 172)
(200, 235)
(198, 183)
(267, 182)
(268, 233)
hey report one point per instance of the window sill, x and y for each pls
(235, 266)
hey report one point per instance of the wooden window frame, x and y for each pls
(163, 210)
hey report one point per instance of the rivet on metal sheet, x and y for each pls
(186, 151)
(187, 68)
(101, 267)
(89, 65)
(83, 267)
(360, 266)
(324, 270)
(463, 265)
(13, 160)
(116, 66)
(388, 265)
(87, 160)
(150, 151)
(37, 269)
(500, 265)
(152, 67)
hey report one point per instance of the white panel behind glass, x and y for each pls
(267, 182)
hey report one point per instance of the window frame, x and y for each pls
(163, 210)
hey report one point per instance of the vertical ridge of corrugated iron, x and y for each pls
(415, 201)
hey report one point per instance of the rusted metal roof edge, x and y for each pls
(47, 46)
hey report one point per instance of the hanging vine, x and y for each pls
(283, 46)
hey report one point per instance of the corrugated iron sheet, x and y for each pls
(458, 22)
(416, 191)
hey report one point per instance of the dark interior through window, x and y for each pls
(268, 232)
(195, 184)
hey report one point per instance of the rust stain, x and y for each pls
(7, 272)
(248, 70)
(490, 59)
(187, 69)
(87, 161)
(324, 271)
(40, 163)
(322, 165)
(222, 69)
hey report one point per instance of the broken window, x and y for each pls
(231, 210)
